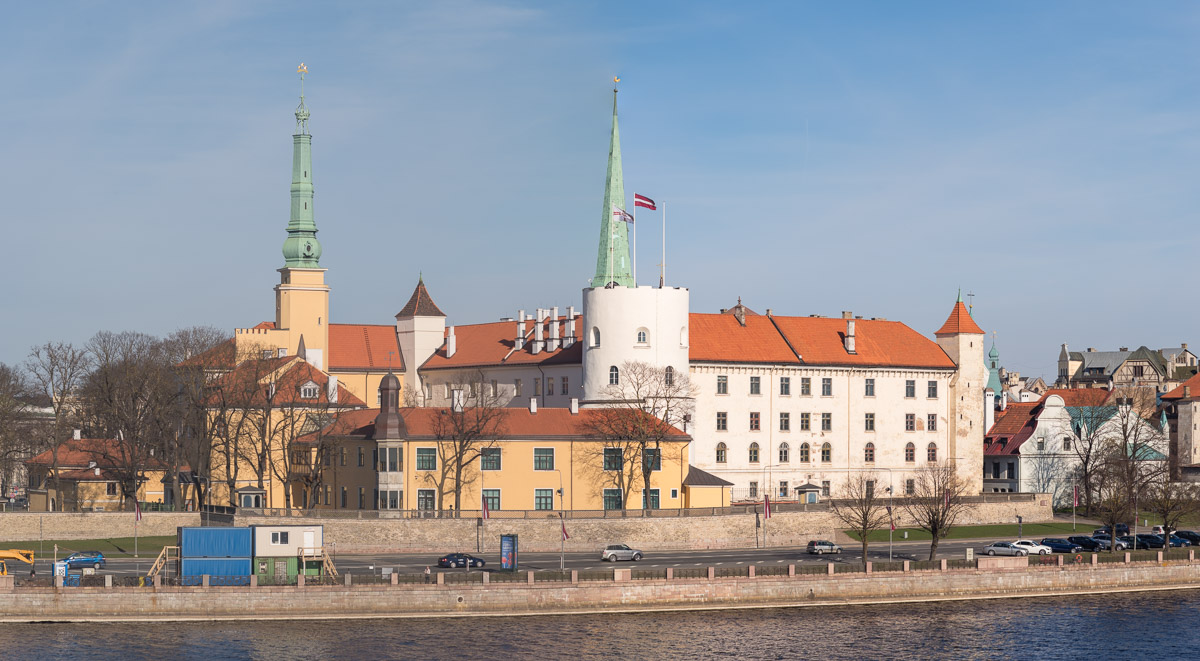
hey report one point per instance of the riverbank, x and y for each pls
(614, 592)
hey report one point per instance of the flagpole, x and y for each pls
(612, 212)
(635, 245)
(662, 274)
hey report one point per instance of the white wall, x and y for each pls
(619, 313)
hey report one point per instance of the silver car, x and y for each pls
(615, 552)
(1003, 548)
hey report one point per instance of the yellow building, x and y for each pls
(93, 475)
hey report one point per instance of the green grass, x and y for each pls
(1005, 531)
(115, 547)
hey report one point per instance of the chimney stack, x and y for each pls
(533, 405)
(520, 341)
(849, 335)
(574, 406)
(570, 339)
(1187, 392)
(76, 434)
(847, 314)
(451, 343)
(331, 391)
(1004, 400)
(554, 339)
(989, 410)
(538, 337)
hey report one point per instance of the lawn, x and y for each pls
(115, 547)
(1004, 531)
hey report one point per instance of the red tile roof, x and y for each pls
(1080, 396)
(720, 338)
(1012, 428)
(821, 341)
(959, 321)
(364, 347)
(491, 344)
(420, 305)
(106, 452)
(1193, 385)
(249, 384)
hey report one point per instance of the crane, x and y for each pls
(14, 554)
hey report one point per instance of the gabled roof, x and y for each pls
(491, 344)
(699, 478)
(250, 384)
(959, 321)
(1013, 426)
(1080, 396)
(1193, 385)
(821, 341)
(364, 347)
(73, 454)
(721, 338)
(420, 305)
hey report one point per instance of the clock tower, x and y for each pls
(302, 297)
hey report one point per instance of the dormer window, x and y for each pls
(310, 390)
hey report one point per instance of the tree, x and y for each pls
(1112, 501)
(14, 410)
(1135, 445)
(57, 369)
(646, 406)
(473, 423)
(861, 508)
(938, 499)
(1089, 423)
(1048, 472)
(198, 353)
(1172, 502)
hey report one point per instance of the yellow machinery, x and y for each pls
(14, 554)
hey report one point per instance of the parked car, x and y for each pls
(1033, 547)
(1003, 548)
(93, 559)
(1158, 530)
(1108, 542)
(1189, 535)
(820, 547)
(1087, 543)
(459, 560)
(1141, 542)
(1148, 541)
(1122, 529)
(1061, 545)
(1177, 541)
(615, 552)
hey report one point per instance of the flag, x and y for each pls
(767, 506)
(486, 513)
(564, 529)
(1075, 494)
(621, 214)
(643, 201)
(137, 510)
(947, 492)
(891, 521)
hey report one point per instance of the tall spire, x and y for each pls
(302, 249)
(612, 259)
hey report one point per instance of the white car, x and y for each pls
(1032, 547)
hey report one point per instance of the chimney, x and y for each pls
(574, 406)
(1121, 349)
(553, 330)
(989, 410)
(768, 312)
(1004, 400)
(97, 471)
(1183, 345)
(538, 342)
(533, 405)
(451, 343)
(569, 340)
(331, 389)
(849, 335)
(1091, 349)
(91, 464)
(1187, 392)
(846, 314)
(76, 434)
(520, 341)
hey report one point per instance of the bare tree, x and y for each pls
(937, 501)
(1089, 427)
(1112, 501)
(647, 406)
(1135, 445)
(1173, 502)
(57, 370)
(861, 508)
(1048, 472)
(15, 408)
(198, 354)
(473, 423)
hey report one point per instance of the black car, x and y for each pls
(1189, 535)
(1122, 529)
(1146, 541)
(459, 560)
(1061, 545)
(1087, 543)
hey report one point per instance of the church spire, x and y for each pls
(302, 249)
(613, 264)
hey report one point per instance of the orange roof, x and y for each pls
(821, 341)
(249, 385)
(517, 423)
(720, 338)
(1012, 428)
(1193, 385)
(478, 345)
(959, 321)
(106, 452)
(364, 347)
(1080, 396)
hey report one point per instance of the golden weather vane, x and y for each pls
(302, 69)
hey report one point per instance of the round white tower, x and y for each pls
(623, 324)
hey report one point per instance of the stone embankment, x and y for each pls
(617, 591)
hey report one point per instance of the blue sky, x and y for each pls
(815, 157)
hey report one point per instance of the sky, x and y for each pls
(815, 157)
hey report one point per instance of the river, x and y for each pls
(1129, 625)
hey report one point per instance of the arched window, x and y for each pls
(643, 336)
(614, 376)
(869, 453)
(683, 337)
(669, 375)
(910, 452)
(721, 453)
(754, 453)
(932, 452)
(826, 453)
(595, 336)
(805, 457)
(784, 453)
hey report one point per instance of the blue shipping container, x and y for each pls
(216, 566)
(216, 542)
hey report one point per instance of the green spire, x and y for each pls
(614, 233)
(302, 249)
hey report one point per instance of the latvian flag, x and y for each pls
(621, 214)
(486, 513)
(643, 201)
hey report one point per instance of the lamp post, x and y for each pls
(562, 508)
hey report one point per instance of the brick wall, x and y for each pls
(30, 526)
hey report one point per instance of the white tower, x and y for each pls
(623, 324)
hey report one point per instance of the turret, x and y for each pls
(962, 340)
(421, 329)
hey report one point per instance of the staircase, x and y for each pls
(161, 561)
(317, 553)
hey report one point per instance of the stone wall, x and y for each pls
(32, 526)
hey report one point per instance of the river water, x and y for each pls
(1129, 625)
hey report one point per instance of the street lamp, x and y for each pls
(562, 507)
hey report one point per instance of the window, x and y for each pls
(549, 385)
(1139, 370)
(805, 456)
(910, 388)
(1066, 444)
(910, 453)
(755, 385)
(785, 385)
(827, 387)
(517, 387)
(869, 421)
(425, 499)
(826, 453)
(721, 451)
(870, 489)
(651, 503)
(595, 336)
(932, 452)
(931, 422)
(995, 470)
(826, 422)
(564, 389)
(933, 390)
(491, 497)
(641, 336)
(267, 353)
(343, 456)
(1041, 444)
(612, 499)
(805, 385)
(325, 458)
(910, 422)
(754, 489)
(869, 453)
(722, 421)
(279, 538)
(910, 487)
(493, 391)
(614, 376)
(543, 499)
(825, 488)
(652, 459)
(362, 498)
(537, 387)
(754, 453)
(110, 488)
(377, 502)
(489, 459)
(1012, 470)
(784, 453)
(362, 458)
(674, 494)
(343, 497)
(389, 459)
(785, 422)
(543, 459)
(805, 421)
(426, 459)
(754, 421)
(783, 489)
(309, 390)
(612, 459)
(869, 388)
(722, 385)
(669, 376)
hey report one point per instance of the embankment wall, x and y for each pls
(28, 526)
